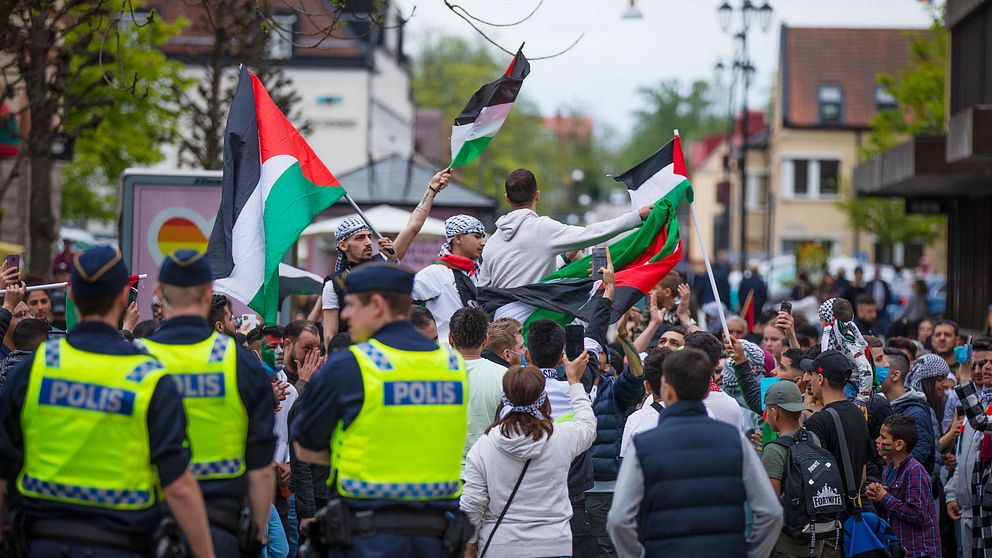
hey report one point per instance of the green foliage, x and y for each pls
(919, 90)
(446, 73)
(886, 218)
(126, 119)
(671, 106)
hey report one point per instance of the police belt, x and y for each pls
(424, 523)
(228, 519)
(80, 532)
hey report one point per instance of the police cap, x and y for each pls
(379, 277)
(185, 268)
(98, 272)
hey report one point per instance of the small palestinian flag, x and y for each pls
(640, 260)
(274, 185)
(486, 111)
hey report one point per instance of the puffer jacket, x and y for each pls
(614, 400)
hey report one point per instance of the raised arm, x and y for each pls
(419, 215)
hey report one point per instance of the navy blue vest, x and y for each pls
(693, 489)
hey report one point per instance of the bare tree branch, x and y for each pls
(470, 19)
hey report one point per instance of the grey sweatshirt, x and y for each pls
(524, 246)
(622, 520)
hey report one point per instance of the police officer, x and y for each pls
(389, 416)
(94, 432)
(228, 401)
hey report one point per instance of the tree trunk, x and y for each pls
(42, 220)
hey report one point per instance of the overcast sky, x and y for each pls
(675, 39)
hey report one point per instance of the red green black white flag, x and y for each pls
(641, 259)
(486, 111)
(274, 185)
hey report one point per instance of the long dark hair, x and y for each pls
(935, 396)
(523, 385)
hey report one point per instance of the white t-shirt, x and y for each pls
(642, 420)
(724, 408)
(329, 297)
(435, 287)
(281, 427)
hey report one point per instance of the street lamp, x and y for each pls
(632, 11)
(742, 63)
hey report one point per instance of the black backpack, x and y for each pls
(812, 490)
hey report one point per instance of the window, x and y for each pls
(131, 20)
(828, 177)
(883, 99)
(280, 40)
(800, 180)
(757, 191)
(831, 98)
(810, 179)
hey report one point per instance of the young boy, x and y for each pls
(905, 501)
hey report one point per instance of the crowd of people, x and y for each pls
(396, 417)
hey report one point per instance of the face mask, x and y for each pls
(881, 372)
(523, 360)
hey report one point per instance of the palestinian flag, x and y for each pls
(274, 185)
(486, 111)
(640, 260)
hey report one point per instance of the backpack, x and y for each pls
(812, 490)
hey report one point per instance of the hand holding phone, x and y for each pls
(574, 341)
(598, 262)
(786, 307)
(964, 353)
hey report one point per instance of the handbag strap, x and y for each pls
(505, 507)
(844, 454)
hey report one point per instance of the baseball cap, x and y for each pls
(833, 364)
(785, 395)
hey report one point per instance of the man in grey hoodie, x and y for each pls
(524, 246)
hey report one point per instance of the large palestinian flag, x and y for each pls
(274, 185)
(486, 111)
(640, 259)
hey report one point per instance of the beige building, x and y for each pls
(825, 97)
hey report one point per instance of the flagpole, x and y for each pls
(52, 286)
(362, 215)
(706, 260)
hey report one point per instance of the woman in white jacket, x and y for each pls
(536, 523)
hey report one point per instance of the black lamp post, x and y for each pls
(742, 63)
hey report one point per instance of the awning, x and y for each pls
(386, 218)
(919, 169)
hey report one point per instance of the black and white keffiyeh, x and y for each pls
(347, 228)
(534, 409)
(927, 366)
(459, 224)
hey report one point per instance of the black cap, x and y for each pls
(833, 364)
(379, 277)
(185, 268)
(99, 272)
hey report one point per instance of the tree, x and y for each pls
(918, 89)
(134, 128)
(670, 106)
(65, 76)
(448, 70)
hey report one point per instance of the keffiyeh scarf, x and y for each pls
(347, 228)
(534, 409)
(926, 366)
(459, 224)
(845, 337)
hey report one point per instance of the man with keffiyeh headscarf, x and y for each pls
(450, 282)
(353, 239)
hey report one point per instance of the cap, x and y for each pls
(98, 272)
(379, 277)
(785, 395)
(185, 268)
(833, 364)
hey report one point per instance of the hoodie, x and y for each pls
(537, 521)
(914, 404)
(524, 246)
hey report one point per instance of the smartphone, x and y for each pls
(132, 295)
(574, 341)
(598, 261)
(786, 307)
(963, 354)
(12, 260)
(249, 319)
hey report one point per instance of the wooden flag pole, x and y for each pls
(706, 260)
